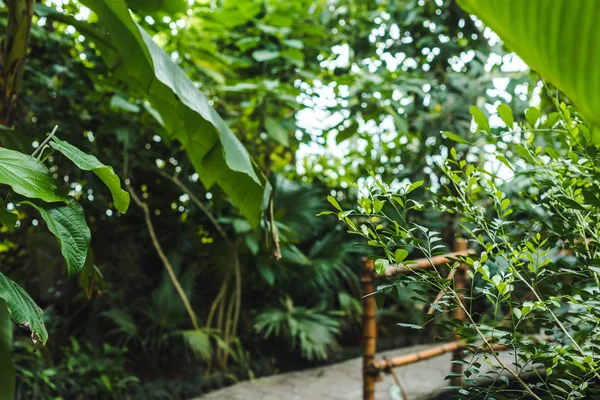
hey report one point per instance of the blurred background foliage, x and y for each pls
(321, 93)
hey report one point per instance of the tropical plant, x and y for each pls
(312, 331)
(518, 267)
(31, 184)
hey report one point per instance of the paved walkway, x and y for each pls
(343, 381)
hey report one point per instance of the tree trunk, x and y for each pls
(13, 51)
(13, 54)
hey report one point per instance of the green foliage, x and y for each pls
(27, 176)
(312, 331)
(542, 34)
(67, 224)
(101, 367)
(183, 110)
(88, 162)
(529, 232)
(23, 309)
(114, 85)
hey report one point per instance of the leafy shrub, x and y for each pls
(534, 225)
(85, 371)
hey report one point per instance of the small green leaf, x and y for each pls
(517, 313)
(377, 206)
(27, 176)
(456, 138)
(67, 223)
(480, 118)
(23, 309)
(400, 255)
(532, 114)
(88, 162)
(506, 114)
(414, 186)
(334, 203)
(381, 265)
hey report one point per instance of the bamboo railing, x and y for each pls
(372, 369)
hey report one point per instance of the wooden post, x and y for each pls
(369, 330)
(459, 285)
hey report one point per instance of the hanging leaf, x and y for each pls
(88, 162)
(480, 118)
(27, 176)
(532, 114)
(558, 39)
(183, 110)
(23, 309)
(67, 223)
(400, 255)
(506, 114)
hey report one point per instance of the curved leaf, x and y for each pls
(88, 162)
(67, 223)
(27, 176)
(558, 39)
(185, 113)
(23, 309)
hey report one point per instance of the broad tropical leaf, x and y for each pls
(88, 162)
(67, 223)
(558, 39)
(23, 309)
(215, 152)
(27, 176)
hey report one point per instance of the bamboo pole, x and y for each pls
(460, 245)
(423, 263)
(412, 358)
(369, 331)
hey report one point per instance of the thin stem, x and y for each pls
(163, 257)
(45, 142)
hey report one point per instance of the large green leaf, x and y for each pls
(558, 39)
(23, 309)
(27, 176)
(67, 223)
(215, 152)
(90, 163)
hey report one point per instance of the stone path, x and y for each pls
(343, 381)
